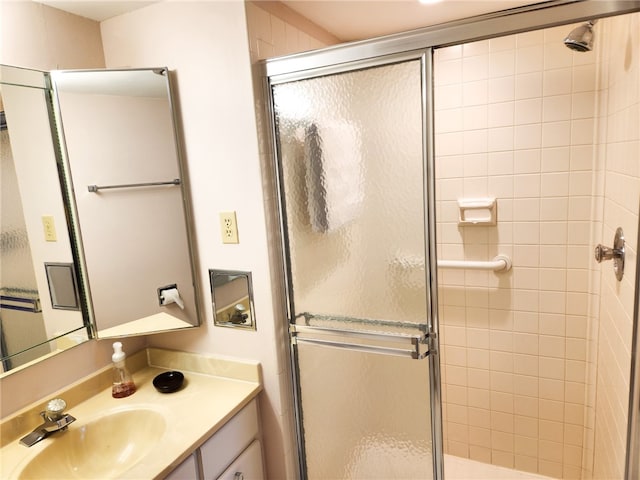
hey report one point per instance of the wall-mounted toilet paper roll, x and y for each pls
(171, 295)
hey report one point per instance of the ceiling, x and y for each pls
(96, 9)
(346, 19)
(359, 19)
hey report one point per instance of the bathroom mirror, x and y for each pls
(129, 249)
(31, 326)
(232, 296)
(128, 201)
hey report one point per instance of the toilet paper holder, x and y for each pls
(169, 294)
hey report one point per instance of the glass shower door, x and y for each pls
(352, 180)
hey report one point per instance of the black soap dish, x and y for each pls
(168, 382)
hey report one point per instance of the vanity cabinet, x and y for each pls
(229, 443)
(248, 466)
(187, 470)
(232, 453)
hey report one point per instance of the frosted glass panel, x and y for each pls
(351, 162)
(366, 416)
(351, 165)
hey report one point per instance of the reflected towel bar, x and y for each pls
(500, 263)
(21, 304)
(97, 188)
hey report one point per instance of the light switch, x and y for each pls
(49, 228)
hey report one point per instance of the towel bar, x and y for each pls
(339, 338)
(97, 188)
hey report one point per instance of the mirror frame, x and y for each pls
(218, 322)
(72, 226)
(74, 217)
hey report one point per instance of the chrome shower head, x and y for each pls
(580, 38)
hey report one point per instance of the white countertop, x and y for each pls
(214, 390)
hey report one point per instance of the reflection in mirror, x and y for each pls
(129, 202)
(30, 192)
(232, 296)
(63, 288)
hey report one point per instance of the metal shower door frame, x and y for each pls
(425, 56)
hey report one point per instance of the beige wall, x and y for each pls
(45, 38)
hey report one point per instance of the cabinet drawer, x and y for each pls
(248, 466)
(228, 442)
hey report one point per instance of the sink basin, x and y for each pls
(103, 448)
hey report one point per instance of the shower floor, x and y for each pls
(456, 468)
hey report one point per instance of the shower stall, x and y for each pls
(441, 194)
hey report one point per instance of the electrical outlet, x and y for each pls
(49, 228)
(229, 227)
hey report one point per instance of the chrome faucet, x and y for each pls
(54, 420)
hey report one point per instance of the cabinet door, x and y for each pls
(228, 443)
(187, 470)
(248, 466)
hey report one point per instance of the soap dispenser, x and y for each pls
(123, 385)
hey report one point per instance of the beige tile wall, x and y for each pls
(515, 120)
(276, 30)
(618, 195)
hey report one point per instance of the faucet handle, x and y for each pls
(55, 409)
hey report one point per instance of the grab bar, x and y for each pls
(97, 188)
(10, 302)
(500, 263)
(414, 341)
